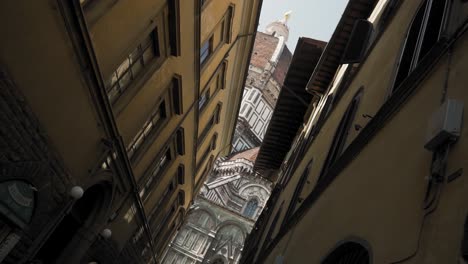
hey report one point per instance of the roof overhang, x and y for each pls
(293, 102)
(331, 57)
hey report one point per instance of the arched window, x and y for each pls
(202, 219)
(251, 208)
(297, 193)
(424, 32)
(17, 202)
(338, 145)
(231, 233)
(348, 253)
(269, 236)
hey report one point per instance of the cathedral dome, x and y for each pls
(250, 154)
(279, 28)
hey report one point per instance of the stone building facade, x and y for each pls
(102, 147)
(223, 214)
(268, 66)
(367, 170)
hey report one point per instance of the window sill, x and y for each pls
(140, 152)
(124, 99)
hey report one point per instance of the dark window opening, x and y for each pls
(218, 261)
(155, 173)
(69, 226)
(213, 141)
(181, 197)
(207, 168)
(148, 130)
(252, 92)
(326, 110)
(204, 98)
(157, 226)
(174, 27)
(269, 236)
(227, 25)
(297, 192)
(256, 98)
(206, 50)
(251, 208)
(207, 151)
(425, 31)
(177, 95)
(181, 175)
(348, 253)
(410, 46)
(207, 128)
(337, 146)
(358, 42)
(165, 197)
(133, 66)
(218, 113)
(249, 110)
(433, 26)
(215, 118)
(180, 141)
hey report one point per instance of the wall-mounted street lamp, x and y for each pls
(106, 233)
(76, 192)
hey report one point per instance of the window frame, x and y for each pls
(145, 134)
(174, 27)
(225, 27)
(206, 152)
(148, 180)
(219, 79)
(168, 98)
(297, 191)
(206, 170)
(114, 89)
(123, 99)
(214, 120)
(338, 144)
(206, 49)
(249, 111)
(425, 7)
(156, 225)
(255, 210)
(177, 95)
(269, 236)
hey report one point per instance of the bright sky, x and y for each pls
(315, 19)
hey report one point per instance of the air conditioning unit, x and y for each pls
(445, 124)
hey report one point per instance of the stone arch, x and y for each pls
(77, 230)
(231, 224)
(50, 189)
(351, 251)
(104, 178)
(228, 241)
(254, 191)
(17, 202)
(243, 188)
(197, 217)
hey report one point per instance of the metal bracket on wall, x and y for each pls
(455, 175)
